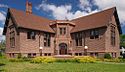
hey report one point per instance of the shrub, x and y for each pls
(120, 57)
(1, 64)
(15, 60)
(124, 56)
(65, 60)
(123, 60)
(85, 59)
(43, 60)
(2, 55)
(26, 59)
(107, 56)
(113, 60)
(19, 55)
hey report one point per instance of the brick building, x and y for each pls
(31, 35)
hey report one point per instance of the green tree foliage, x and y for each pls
(107, 56)
(122, 40)
(2, 47)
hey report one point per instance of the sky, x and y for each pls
(62, 9)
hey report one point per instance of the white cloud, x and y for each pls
(1, 36)
(59, 12)
(120, 5)
(62, 12)
(1, 30)
(2, 21)
(2, 17)
(85, 5)
(3, 6)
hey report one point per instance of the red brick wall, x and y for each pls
(16, 48)
(109, 47)
(32, 46)
(94, 45)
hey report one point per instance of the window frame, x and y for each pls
(31, 35)
(78, 39)
(47, 39)
(12, 37)
(113, 36)
(94, 33)
(62, 30)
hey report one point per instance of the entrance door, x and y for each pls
(62, 49)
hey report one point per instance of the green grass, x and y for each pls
(61, 67)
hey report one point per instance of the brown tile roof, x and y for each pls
(31, 21)
(95, 20)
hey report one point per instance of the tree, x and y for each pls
(107, 56)
(122, 40)
(2, 46)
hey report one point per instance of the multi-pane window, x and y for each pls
(112, 35)
(94, 34)
(47, 38)
(12, 37)
(62, 30)
(31, 35)
(78, 39)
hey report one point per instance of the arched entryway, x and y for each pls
(62, 48)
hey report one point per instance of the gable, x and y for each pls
(100, 19)
(117, 22)
(30, 21)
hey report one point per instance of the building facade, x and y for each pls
(31, 35)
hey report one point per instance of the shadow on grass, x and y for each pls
(2, 64)
(2, 70)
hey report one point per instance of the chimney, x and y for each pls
(28, 7)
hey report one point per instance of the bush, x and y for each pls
(124, 56)
(2, 55)
(85, 59)
(15, 60)
(26, 59)
(107, 56)
(43, 60)
(65, 60)
(19, 56)
(120, 57)
(22, 59)
(1, 64)
(113, 60)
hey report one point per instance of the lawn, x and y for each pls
(61, 67)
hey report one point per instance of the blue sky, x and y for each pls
(63, 9)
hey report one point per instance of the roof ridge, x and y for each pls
(94, 13)
(30, 14)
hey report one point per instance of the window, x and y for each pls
(45, 54)
(31, 35)
(34, 54)
(78, 54)
(94, 34)
(96, 54)
(91, 54)
(29, 55)
(78, 39)
(62, 30)
(12, 37)
(112, 35)
(47, 39)
(49, 54)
